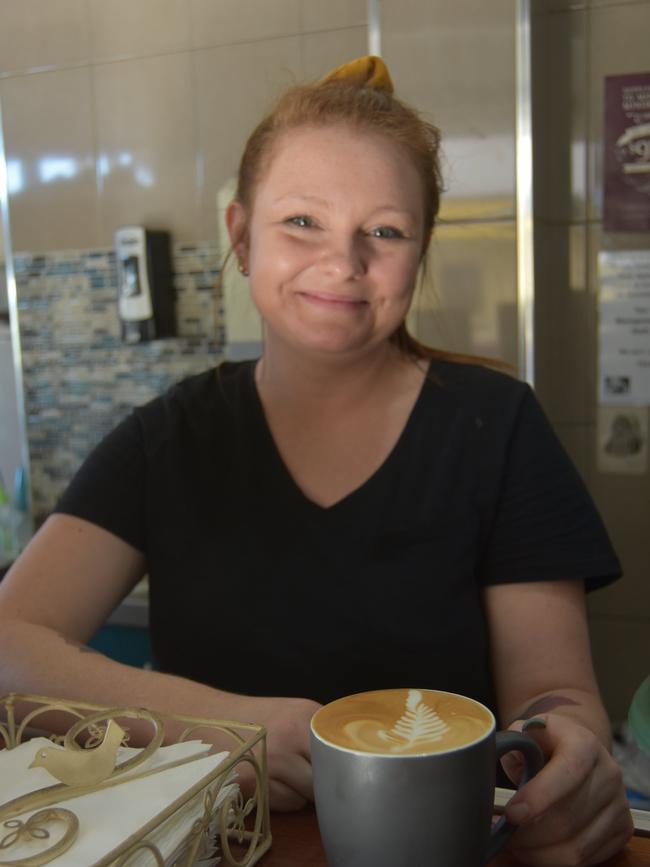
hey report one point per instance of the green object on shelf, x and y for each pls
(639, 716)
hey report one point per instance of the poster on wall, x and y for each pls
(626, 206)
(623, 440)
(624, 327)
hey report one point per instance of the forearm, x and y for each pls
(37, 660)
(583, 706)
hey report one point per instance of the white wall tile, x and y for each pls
(317, 15)
(456, 64)
(228, 21)
(41, 33)
(235, 86)
(146, 145)
(321, 52)
(124, 28)
(50, 159)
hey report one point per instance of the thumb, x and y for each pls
(513, 763)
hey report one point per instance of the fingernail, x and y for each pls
(518, 813)
(535, 722)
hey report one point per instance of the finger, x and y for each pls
(574, 752)
(295, 773)
(513, 765)
(570, 816)
(283, 799)
(600, 840)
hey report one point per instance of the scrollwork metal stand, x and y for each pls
(234, 826)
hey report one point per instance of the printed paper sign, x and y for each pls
(623, 439)
(624, 327)
(627, 153)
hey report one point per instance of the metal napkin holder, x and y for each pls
(239, 825)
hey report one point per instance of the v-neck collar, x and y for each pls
(268, 450)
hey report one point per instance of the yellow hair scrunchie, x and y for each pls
(369, 71)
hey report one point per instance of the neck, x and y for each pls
(284, 375)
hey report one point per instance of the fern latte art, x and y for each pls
(402, 722)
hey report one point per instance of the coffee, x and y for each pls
(403, 722)
(406, 776)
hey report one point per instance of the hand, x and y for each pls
(287, 743)
(574, 813)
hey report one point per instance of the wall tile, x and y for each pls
(322, 52)
(123, 28)
(560, 115)
(242, 20)
(317, 15)
(235, 87)
(565, 323)
(36, 34)
(146, 146)
(468, 301)
(50, 159)
(618, 45)
(622, 499)
(595, 3)
(439, 55)
(620, 649)
(80, 378)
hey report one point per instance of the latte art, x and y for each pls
(403, 722)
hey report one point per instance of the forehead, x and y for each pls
(338, 158)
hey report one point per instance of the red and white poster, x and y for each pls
(627, 153)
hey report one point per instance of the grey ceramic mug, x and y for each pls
(429, 809)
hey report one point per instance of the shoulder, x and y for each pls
(201, 392)
(468, 379)
(461, 389)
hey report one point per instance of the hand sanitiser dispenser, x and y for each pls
(145, 284)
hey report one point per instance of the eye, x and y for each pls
(301, 221)
(389, 232)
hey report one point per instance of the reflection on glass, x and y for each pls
(144, 176)
(103, 165)
(14, 180)
(51, 168)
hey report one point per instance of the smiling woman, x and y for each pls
(398, 516)
(334, 247)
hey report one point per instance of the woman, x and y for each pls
(389, 514)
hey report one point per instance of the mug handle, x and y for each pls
(533, 762)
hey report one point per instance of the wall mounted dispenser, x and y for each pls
(145, 283)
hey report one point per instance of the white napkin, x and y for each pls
(110, 816)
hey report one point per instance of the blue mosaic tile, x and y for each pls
(80, 379)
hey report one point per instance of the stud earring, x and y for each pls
(242, 268)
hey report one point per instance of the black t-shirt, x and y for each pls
(256, 589)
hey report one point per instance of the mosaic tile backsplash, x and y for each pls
(80, 379)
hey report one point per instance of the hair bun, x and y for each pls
(367, 71)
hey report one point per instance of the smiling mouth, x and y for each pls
(324, 299)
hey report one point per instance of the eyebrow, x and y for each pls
(317, 200)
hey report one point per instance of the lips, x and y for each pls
(333, 301)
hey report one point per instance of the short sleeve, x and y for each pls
(545, 525)
(109, 487)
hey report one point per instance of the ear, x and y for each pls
(237, 225)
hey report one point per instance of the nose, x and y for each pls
(343, 259)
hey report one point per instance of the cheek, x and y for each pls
(399, 280)
(276, 258)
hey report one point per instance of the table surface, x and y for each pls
(296, 843)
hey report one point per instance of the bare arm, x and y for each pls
(59, 593)
(541, 657)
(575, 810)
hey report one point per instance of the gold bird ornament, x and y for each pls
(82, 767)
